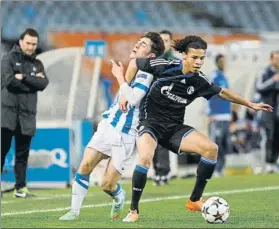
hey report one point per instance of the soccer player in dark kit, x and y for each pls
(176, 85)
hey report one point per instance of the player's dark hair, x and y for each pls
(218, 57)
(166, 32)
(273, 53)
(29, 31)
(187, 42)
(157, 46)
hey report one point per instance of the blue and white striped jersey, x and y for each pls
(127, 122)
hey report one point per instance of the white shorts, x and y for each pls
(119, 146)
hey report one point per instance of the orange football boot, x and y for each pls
(194, 206)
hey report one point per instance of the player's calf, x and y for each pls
(204, 173)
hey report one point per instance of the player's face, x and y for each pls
(221, 63)
(142, 48)
(194, 59)
(167, 41)
(275, 60)
(28, 44)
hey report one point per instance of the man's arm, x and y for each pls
(133, 94)
(131, 71)
(263, 85)
(39, 82)
(9, 79)
(229, 95)
(138, 90)
(142, 64)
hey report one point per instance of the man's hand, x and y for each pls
(261, 107)
(118, 71)
(40, 75)
(19, 76)
(123, 104)
(276, 77)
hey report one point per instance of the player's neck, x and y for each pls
(185, 69)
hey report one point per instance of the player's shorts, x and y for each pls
(117, 145)
(167, 135)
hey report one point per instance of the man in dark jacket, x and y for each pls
(161, 159)
(268, 87)
(22, 76)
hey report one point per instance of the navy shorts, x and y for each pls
(167, 135)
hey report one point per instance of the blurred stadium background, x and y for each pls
(245, 32)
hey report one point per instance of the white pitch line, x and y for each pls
(47, 197)
(146, 200)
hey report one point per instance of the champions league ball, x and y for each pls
(215, 210)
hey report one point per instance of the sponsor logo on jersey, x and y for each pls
(166, 91)
(142, 75)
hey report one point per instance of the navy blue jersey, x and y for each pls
(172, 91)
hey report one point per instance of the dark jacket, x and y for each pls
(268, 88)
(19, 97)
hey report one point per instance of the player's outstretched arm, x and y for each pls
(230, 95)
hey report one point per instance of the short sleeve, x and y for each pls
(210, 90)
(143, 64)
(143, 80)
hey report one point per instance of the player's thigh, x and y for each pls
(123, 152)
(146, 145)
(197, 142)
(91, 158)
(111, 176)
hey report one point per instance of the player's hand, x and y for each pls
(19, 76)
(40, 75)
(118, 71)
(276, 77)
(261, 107)
(123, 104)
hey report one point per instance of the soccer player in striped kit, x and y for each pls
(116, 134)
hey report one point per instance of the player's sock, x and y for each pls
(138, 183)
(79, 190)
(204, 173)
(118, 194)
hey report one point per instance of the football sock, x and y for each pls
(138, 184)
(117, 195)
(204, 173)
(79, 190)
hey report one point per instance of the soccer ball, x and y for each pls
(215, 210)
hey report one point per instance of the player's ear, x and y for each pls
(184, 56)
(152, 55)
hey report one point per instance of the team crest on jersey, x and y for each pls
(190, 90)
(140, 128)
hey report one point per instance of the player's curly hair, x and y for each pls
(187, 42)
(157, 46)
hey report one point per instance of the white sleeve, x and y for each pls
(138, 89)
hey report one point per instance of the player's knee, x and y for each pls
(211, 151)
(85, 167)
(145, 160)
